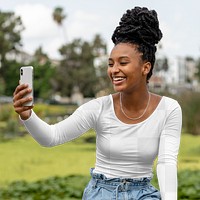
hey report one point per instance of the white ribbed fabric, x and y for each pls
(122, 150)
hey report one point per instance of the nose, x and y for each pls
(115, 69)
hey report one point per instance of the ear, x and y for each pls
(146, 68)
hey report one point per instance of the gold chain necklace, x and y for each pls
(133, 118)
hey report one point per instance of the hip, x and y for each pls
(103, 188)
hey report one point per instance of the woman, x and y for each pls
(133, 126)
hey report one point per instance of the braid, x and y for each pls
(140, 26)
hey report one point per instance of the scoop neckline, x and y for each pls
(135, 124)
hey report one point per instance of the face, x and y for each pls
(126, 69)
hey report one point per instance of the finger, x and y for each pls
(20, 103)
(19, 88)
(21, 94)
(20, 110)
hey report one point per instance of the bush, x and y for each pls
(6, 112)
(71, 187)
(191, 109)
(54, 188)
(189, 185)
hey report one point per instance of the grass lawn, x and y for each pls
(24, 159)
(189, 154)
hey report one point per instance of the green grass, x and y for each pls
(189, 154)
(24, 159)
(50, 170)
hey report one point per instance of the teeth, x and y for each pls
(118, 78)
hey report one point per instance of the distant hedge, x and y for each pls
(54, 188)
(190, 103)
(189, 185)
(71, 188)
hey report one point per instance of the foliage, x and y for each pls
(77, 69)
(9, 126)
(72, 187)
(9, 123)
(198, 69)
(77, 66)
(6, 112)
(10, 38)
(189, 185)
(31, 165)
(44, 72)
(2, 85)
(191, 108)
(11, 76)
(54, 188)
(161, 64)
(58, 15)
(31, 162)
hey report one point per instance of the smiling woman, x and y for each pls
(133, 126)
(126, 66)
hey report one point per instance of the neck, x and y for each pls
(135, 100)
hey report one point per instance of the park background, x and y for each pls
(68, 42)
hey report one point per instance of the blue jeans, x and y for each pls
(102, 188)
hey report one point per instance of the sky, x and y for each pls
(179, 22)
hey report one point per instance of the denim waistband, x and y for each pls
(131, 182)
(117, 185)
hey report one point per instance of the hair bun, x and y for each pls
(138, 25)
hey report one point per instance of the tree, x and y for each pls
(10, 38)
(58, 17)
(198, 69)
(99, 46)
(11, 76)
(44, 72)
(10, 42)
(100, 53)
(161, 64)
(77, 68)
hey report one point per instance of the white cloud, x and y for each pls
(40, 29)
(37, 19)
(180, 32)
(169, 44)
(84, 25)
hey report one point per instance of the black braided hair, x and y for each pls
(140, 26)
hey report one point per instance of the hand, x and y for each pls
(19, 100)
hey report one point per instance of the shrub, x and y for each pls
(71, 187)
(191, 109)
(189, 185)
(6, 112)
(54, 188)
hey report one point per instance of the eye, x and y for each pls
(123, 63)
(110, 64)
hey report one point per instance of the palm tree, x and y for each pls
(58, 17)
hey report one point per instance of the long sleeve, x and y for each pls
(168, 152)
(72, 127)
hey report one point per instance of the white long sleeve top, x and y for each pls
(122, 150)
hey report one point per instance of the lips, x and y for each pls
(118, 79)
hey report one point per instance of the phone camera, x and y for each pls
(21, 71)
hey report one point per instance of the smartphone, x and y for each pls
(26, 76)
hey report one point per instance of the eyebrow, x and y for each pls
(121, 57)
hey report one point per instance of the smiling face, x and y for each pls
(126, 69)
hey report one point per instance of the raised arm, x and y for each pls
(167, 157)
(50, 135)
(64, 131)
